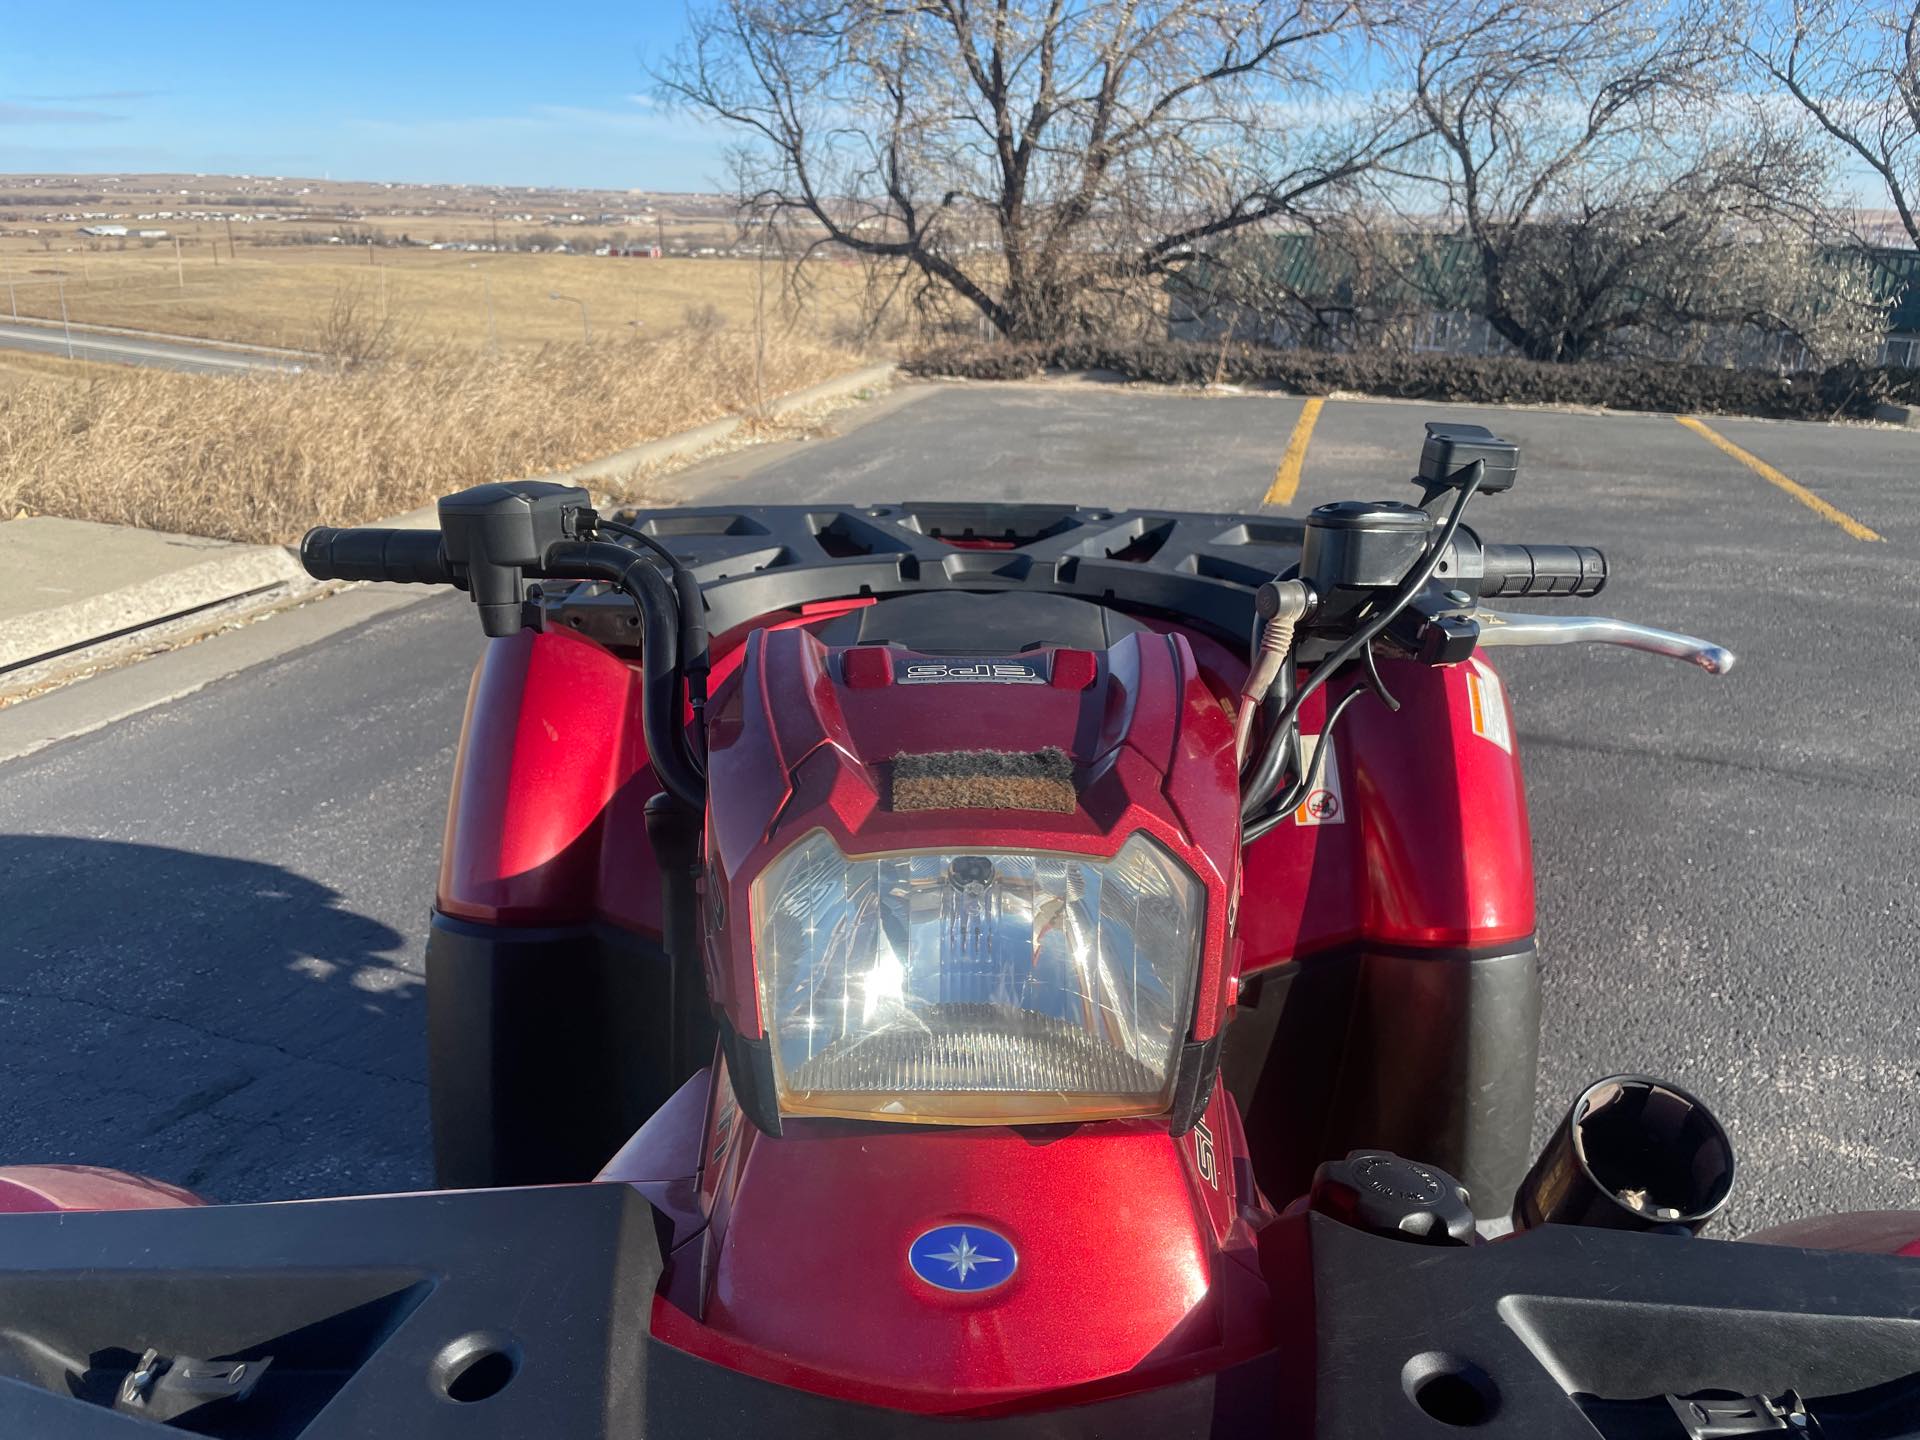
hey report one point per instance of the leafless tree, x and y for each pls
(1039, 160)
(1853, 66)
(1610, 198)
(356, 330)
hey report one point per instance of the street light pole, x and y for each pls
(586, 328)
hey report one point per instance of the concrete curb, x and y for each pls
(42, 647)
(251, 570)
(1905, 415)
(45, 647)
(623, 463)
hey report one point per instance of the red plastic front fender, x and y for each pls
(27, 1189)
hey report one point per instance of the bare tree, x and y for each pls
(1854, 67)
(1609, 198)
(356, 330)
(1040, 160)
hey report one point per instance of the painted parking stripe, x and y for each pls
(1773, 477)
(1286, 480)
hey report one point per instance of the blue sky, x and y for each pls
(483, 92)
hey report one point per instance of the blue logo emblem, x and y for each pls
(962, 1257)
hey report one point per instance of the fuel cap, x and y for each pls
(1377, 1191)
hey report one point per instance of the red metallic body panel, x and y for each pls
(546, 825)
(545, 750)
(1432, 847)
(1136, 1265)
(37, 1188)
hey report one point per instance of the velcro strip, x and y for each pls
(985, 780)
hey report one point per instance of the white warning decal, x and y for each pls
(1324, 805)
(1488, 705)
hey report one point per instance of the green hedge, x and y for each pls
(1469, 379)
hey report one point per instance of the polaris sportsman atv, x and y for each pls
(1031, 969)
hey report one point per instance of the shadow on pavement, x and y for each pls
(224, 1024)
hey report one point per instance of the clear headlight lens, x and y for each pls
(976, 985)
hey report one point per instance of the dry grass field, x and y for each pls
(441, 368)
(260, 457)
(21, 367)
(282, 295)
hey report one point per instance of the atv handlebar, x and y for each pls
(405, 557)
(419, 557)
(1516, 571)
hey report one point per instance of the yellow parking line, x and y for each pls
(1773, 477)
(1286, 479)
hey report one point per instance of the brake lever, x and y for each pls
(1503, 628)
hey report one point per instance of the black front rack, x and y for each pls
(755, 560)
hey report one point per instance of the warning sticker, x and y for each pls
(1324, 805)
(1488, 705)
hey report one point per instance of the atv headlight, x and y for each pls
(987, 986)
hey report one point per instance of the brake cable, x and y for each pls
(1261, 784)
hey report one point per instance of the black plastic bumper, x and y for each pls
(368, 1308)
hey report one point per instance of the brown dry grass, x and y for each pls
(282, 295)
(262, 457)
(24, 367)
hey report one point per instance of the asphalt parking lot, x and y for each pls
(211, 914)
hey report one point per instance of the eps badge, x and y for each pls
(962, 1257)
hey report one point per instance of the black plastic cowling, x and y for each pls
(504, 532)
(1362, 544)
(1451, 450)
(406, 557)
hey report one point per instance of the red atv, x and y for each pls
(995, 959)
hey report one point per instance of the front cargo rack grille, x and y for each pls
(754, 560)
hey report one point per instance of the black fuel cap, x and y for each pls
(1377, 1191)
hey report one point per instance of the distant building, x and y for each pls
(107, 231)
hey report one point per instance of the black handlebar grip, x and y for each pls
(1527, 570)
(409, 557)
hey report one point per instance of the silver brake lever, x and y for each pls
(1501, 628)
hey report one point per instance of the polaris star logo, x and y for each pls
(962, 1257)
(991, 672)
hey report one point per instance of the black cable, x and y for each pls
(693, 623)
(674, 562)
(1265, 778)
(662, 721)
(1308, 783)
(1378, 685)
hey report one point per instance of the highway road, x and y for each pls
(211, 913)
(125, 349)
